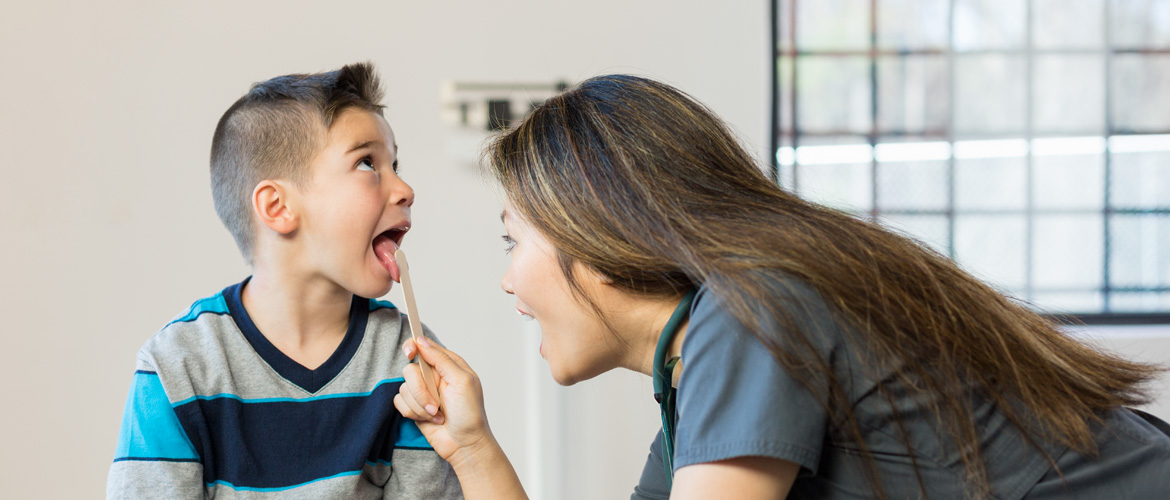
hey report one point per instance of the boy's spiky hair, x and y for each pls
(273, 131)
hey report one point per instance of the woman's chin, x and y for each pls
(562, 378)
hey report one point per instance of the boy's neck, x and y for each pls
(305, 320)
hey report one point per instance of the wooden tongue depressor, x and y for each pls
(416, 330)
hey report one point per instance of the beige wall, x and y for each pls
(105, 211)
(106, 216)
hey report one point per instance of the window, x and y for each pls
(1028, 140)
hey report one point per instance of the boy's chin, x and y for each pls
(372, 291)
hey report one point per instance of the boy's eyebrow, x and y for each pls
(368, 144)
(362, 146)
(503, 215)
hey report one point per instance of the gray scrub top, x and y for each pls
(735, 400)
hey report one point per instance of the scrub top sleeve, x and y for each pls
(652, 485)
(735, 399)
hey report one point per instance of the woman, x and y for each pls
(819, 356)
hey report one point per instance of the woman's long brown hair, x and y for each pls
(646, 186)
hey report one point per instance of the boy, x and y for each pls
(282, 385)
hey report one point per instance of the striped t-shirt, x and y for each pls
(217, 411)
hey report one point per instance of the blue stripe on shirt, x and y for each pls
(281, 488)
(410, 437)
(398, 381)
(150, 429)
(376, 304)
(214, 304)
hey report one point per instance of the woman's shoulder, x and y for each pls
(788, 303)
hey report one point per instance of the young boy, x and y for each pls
(282, 385)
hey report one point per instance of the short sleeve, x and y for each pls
(736, 400)
(154, 457)
(652, 485)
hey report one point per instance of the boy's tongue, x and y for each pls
(384, 249)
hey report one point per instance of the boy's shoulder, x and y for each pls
(198, 331)
(207, 313)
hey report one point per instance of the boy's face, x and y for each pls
(355, 210)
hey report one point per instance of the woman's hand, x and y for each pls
(460, 431)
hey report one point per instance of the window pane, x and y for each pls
(1069, 94)
(784, 68)
(929, 230)
(1069, 182)
(920, 185)
(912, 24)
(991, 184)
(1068, 24)
(1138, 302)
(1140, 180)
(785, 159)
(1068, 251)
(832, 24)
(913, 94)
(1139, 251)
(989, 24)
(1140, 23)
(989, 94)
(1069, 302)
(1141, 92)
(834, 94)
(846, 186)
(992, 248)
(835, 171)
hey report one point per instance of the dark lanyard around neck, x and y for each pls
(664, 391)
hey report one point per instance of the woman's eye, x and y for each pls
(509, 243)
(366, 164)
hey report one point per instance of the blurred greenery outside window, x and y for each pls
(1029, 140)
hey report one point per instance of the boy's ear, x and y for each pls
(270, 203)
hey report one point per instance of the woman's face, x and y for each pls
(574, 340)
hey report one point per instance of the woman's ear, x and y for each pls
(270, 203)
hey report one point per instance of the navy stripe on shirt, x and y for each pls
(276, 443)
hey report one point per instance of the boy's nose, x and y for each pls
(401, 193)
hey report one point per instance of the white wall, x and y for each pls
(106, 116)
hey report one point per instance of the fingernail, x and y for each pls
(433, 410)
(425, 342)
(438, 419)
(408, 349)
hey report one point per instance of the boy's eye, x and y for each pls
(366, 164)
(509, 243)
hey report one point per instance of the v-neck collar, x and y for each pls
(309, 380)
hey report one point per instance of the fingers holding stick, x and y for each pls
(414, 400)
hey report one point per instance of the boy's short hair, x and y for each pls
(274, 130)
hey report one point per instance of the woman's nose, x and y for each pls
(506, 282)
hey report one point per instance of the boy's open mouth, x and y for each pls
(385, 244)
